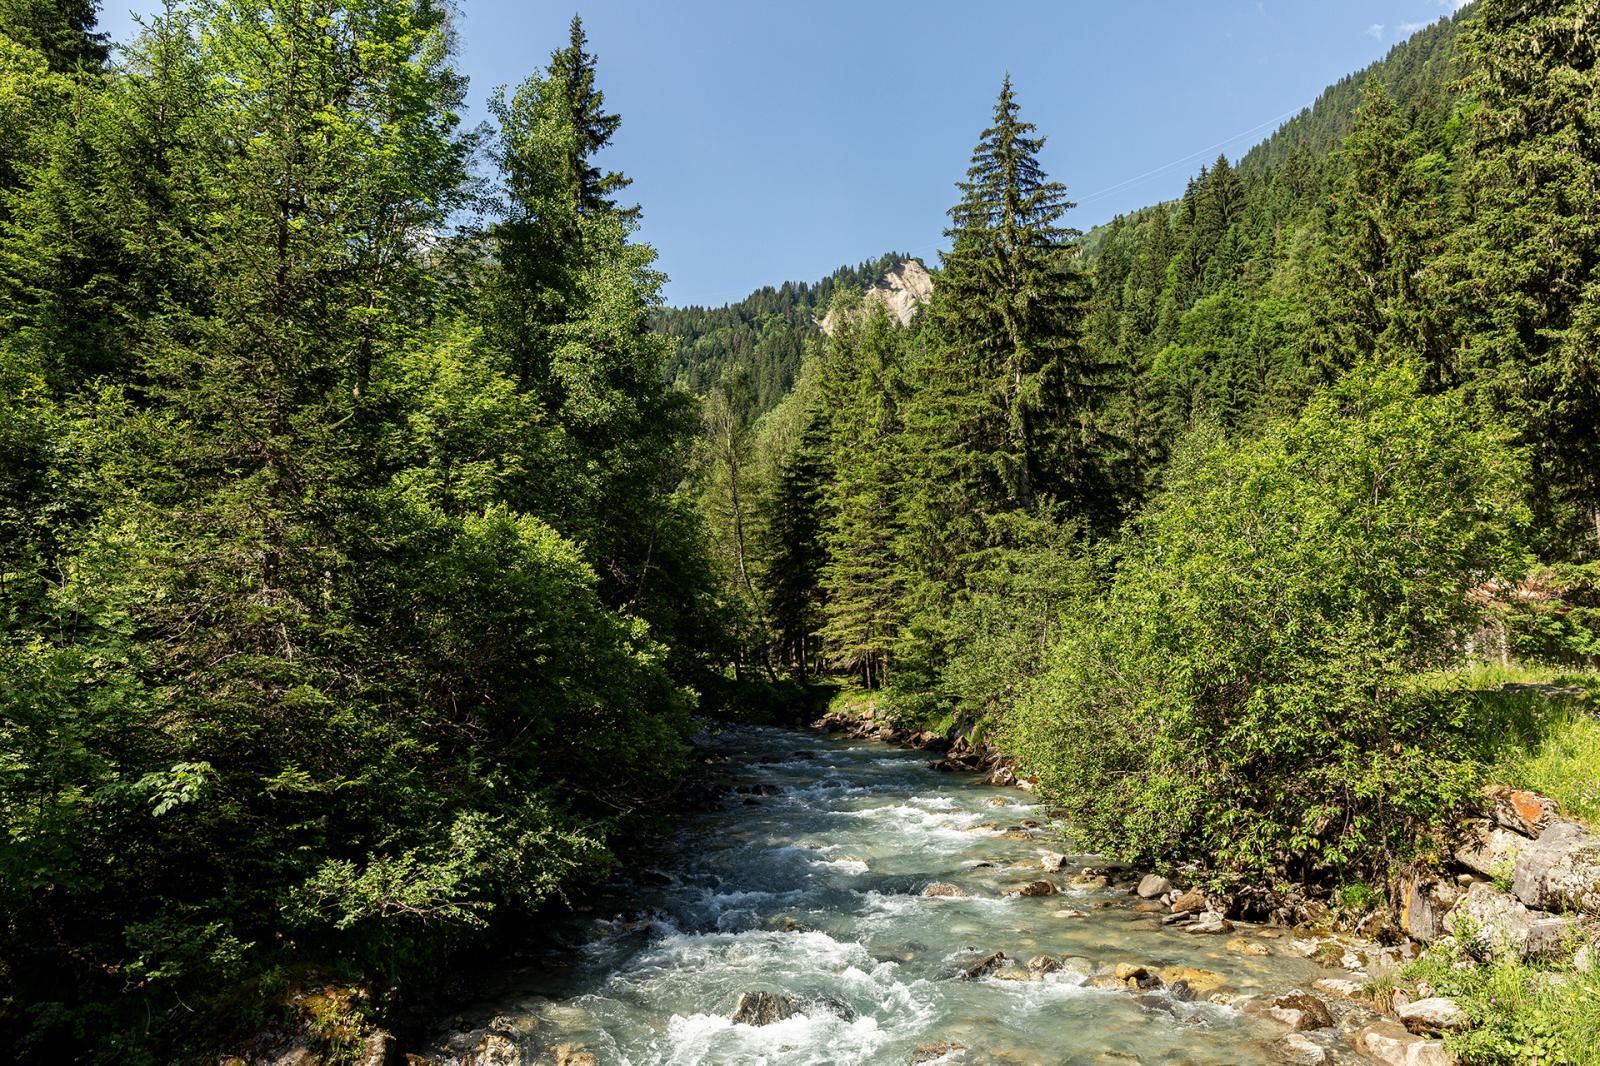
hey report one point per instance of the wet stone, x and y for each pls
(762, 1008)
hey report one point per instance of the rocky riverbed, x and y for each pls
(845, 904)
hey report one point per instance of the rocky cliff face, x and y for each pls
(901, 292)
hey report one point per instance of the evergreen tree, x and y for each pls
(63, 31)
(1007, 411)
(572, 72)
(1525, 258)
(863, 577)
(1380, 235)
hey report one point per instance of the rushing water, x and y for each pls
(812, 889)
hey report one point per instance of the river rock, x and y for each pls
(1033, 888)
(943, 889)
(1043, 964)
(1299, 1050)
(1190, 902)
(1424, 902)
(1052, 861)
(1152, 886)
(984, 966)
(1090, 881)
(573, 1055)
(1560, 871)
(1299, 1011)
(1209, 923)
(1013, 971)
(1130, 971)
(1390, 1044)
(762, 1008)
(1434, 1016)
(1340, 987)
(1240, 946)
(1200, 982)
(933, 1051)
(493, 1049)
(1522, 812)
(1498, 917)
(998, 801)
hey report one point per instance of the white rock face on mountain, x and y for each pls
(901, 292)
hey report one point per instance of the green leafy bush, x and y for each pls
(1241, 695)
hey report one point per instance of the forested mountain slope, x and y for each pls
(1223, 487)
(765, 333)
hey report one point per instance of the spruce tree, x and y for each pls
(1380, 236)
(1008, 413)
(863, 577)
(62, 30)
(1524, 261)
(572, 70)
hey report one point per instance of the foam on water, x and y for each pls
(814, 893)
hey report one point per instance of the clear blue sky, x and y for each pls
(770, 141)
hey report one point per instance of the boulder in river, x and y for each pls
(1297, 1050)
(934, 1050)
(1152, 886)
(1043, 964)
(762, 1008)
(1053, 861)
(1300, 1010)
(574, 1055)
(1200, 982)
(984, 966)
(1209, 923)
(1191, 902)
(1034, 888)
(945, 890)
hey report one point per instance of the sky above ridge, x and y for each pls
(771, 141)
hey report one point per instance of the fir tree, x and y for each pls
(1525, 259)
(62, 30)
(1009, 410)
(572, 71)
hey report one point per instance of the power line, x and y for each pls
(1188, 158)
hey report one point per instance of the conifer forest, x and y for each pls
(388, 575)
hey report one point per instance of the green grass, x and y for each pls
(1549, 743)
(1520, 1013)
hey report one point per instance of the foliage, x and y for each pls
(348, 588)
(1519, 1012)
(1240, 696)
(764, 336)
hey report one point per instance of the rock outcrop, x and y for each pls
(901, 292)
(1529, 886)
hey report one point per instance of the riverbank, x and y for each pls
(848, 904)
(1502, 910)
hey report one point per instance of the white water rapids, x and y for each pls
(812, 890)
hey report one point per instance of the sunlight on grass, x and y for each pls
(1543, 739)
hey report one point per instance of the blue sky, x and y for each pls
(780, 140)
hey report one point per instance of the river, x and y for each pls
(808, 883)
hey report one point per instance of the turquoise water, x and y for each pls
(813, 890)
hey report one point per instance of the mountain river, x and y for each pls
(807, 883)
